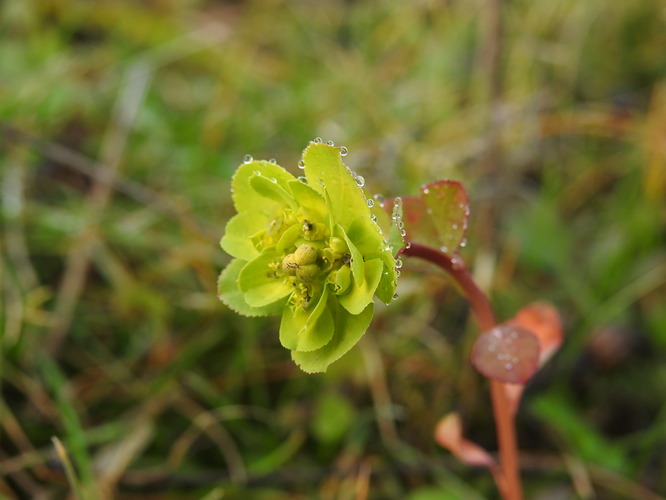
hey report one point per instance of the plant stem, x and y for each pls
(508, 451)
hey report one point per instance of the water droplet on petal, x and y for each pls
(398, 263)
(272, 160)
(360, 180)
(380, 199)
(373, 217)
(301, 164)
(408, 244)
(330, 143)
(317, 140)
(248, 159)
(302, 179)
(403, 233)
(395, 296)
(397, 272)
(343, 151)
(371, 202)
(426, 191)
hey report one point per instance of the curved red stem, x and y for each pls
(508, 481)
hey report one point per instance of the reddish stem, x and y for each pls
(509, 479)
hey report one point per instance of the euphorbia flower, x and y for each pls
(309, 249)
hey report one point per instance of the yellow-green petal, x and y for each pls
(229, 293)
(238, 233)
(307, 330)
(348, 331)
(257, 280)
(359, 296)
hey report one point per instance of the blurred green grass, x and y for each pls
(122, 123)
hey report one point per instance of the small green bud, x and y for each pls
(305, 254)
(289, 265)
(338, 245)
(308, 272)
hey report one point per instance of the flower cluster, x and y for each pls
(310, 249)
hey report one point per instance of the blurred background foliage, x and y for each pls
(122, 122)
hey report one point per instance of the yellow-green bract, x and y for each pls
(309, 249)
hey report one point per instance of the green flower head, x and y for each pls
(310, 249)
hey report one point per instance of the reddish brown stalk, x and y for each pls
(508, 481)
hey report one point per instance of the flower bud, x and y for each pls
(338, 245)
(308, 272)
(305, 254)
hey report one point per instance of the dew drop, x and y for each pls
(426, 191)
(360, 180)
(408, 245)
(317, 140)
(343, 151)
(272, 161)
(273, 180)
(379, 198)
(330, 143)
(398, 264)
(321, 182)
(302, 179)
(463, 243)
(301, 164)
(403, 233)
(248, 159)
(373, 217)
(397, 273)
(371, 202)
(456, 262)
(395, 296)
(444, 249)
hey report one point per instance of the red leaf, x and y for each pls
(448, 207)
(506, 353)
(448, 433)
(544, 322)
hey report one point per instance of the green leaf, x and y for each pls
(356, 263)
(370, 242)
(258, 283)
(246, 199)
(307, 330)
(229, 293)
(359, 296)
(326, 173)
(312, 203)
(348, 331)
(269, 188)
(448, 207)
(238, 233)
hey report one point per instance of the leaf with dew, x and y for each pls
(506, 353)
(447, 205)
